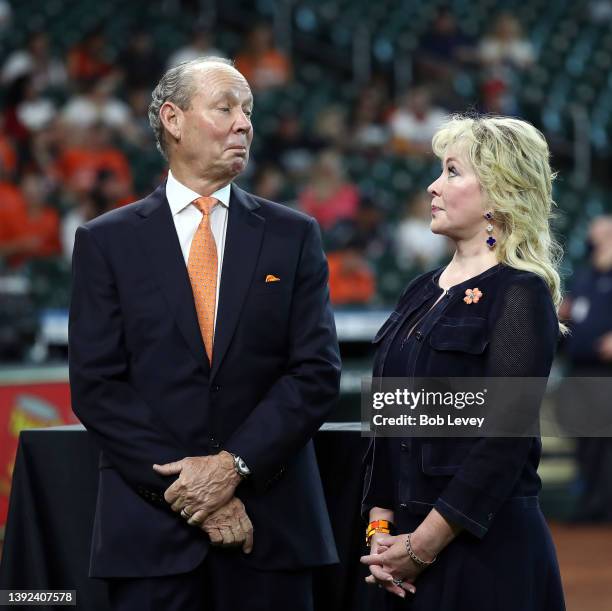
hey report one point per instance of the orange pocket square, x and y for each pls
(271, 278)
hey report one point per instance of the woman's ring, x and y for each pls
(397, 581)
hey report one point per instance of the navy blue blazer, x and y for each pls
(511, 332)
(142, 385)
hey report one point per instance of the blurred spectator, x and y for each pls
(600, 10)
(200, 45)
(263, 66)
(290, 146)
(97, 105)
(417, 248)
(351, 279)
(15, 94)
(589, 349)
(370, 231)
(368, 128)
(139, 62)
(34, 111)
(92, 152)
(367, 231)
(414, 122)
(88, 203)
(137, 130)
(330, 127)
(588, 304)
(87, 61)
(35, 61)
(30, 227)
(329, 197)
(5, 16)
(8, 155)
(504, 53)
(444, 51)
(11, 205)
(269, 182)
(46, 146)
(444, 47)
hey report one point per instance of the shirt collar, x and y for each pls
(179, 196)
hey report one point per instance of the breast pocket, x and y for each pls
(468, 335)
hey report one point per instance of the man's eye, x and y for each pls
(224, 109)
(248, 113)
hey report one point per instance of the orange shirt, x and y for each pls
(349, 284)
(76, 160)
(11, 206)
(268, 70)
(83, 65)
(8, 158)
(16, 222)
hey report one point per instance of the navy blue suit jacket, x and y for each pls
(142, 385)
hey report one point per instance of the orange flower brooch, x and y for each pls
(472, 296)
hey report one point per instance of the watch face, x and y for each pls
(242, 467)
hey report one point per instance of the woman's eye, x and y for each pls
(451, 170)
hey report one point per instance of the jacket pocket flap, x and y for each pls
(468, 335)
(444, 458)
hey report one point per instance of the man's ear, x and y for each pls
(171, 117)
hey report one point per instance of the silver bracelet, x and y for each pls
(414, 557)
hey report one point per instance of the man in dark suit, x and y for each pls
(203, 358)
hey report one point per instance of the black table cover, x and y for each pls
(52, 505)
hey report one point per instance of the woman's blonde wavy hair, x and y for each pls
(511, 160)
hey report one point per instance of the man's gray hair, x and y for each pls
(176, 86)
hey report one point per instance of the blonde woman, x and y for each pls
(471, 504)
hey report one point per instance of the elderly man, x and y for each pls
(203, 358)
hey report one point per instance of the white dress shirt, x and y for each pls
(187, 217)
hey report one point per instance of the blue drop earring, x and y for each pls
(491, 241)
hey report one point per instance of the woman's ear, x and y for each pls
(171, 117)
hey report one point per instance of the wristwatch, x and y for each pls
(241, 466)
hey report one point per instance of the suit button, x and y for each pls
(404, 446)
(214, 443)
(403, 505)
(418, 336)
(216, 388)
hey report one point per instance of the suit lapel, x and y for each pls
(245, 231)
(168, 267)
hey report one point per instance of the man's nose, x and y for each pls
(242, 123)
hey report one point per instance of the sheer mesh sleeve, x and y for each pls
(378, 479)
(522, 344)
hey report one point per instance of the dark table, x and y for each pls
(52, 505)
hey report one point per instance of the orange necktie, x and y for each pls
(202, 267)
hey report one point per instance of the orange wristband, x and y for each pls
(379, 526)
